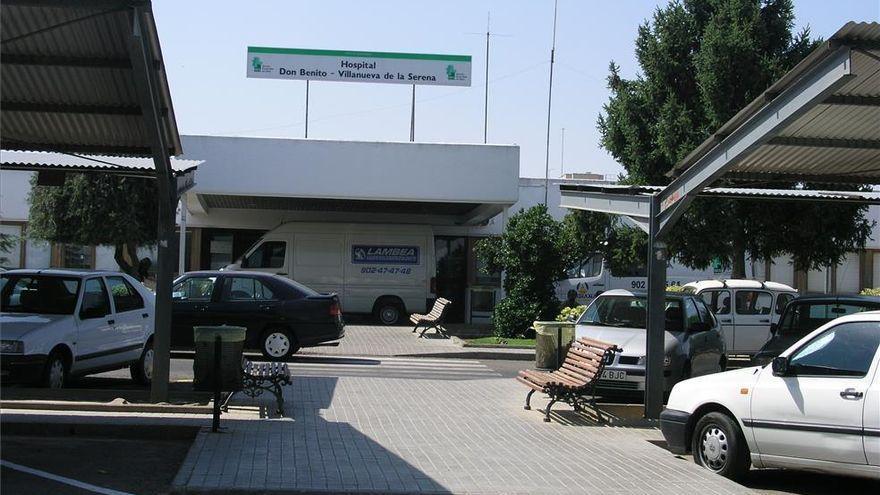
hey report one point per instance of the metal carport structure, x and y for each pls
(87, 76)
(820, 122)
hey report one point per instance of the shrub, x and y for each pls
(871, 292)
(571, 314)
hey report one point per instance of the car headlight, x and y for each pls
(11, 347)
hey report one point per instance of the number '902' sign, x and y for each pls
(386, 255)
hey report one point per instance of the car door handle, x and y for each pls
(111, 322)
(763, 321)
(851, 393)
(265, 307)
(281, 273)
(145, 315)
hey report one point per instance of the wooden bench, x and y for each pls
(575, 380)
(432, 319)
(265, 377)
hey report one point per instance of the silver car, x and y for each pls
(694, 344)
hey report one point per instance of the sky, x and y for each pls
(204, 44)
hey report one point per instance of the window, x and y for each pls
(781, 301)
(844, 350)
(246, 289)
(628, 311)
(194, 289)
(802, 317)
(718, 301)
(705, 314)
(591, 267)
(269, 254)
(39, 294)
(125, 297)
(95, 302)
(691, 314)
(753, 302)
(74, 256)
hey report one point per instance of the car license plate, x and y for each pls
(613, 375)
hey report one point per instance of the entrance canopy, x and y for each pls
(350, 181)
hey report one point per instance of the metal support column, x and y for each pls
(412, 117)
(181, 245)
(142, 58)
(654, 381)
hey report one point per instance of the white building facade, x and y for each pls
(245, 187)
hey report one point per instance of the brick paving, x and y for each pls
(377, 433)
(377, 340)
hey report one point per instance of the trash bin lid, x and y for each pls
(226, 333)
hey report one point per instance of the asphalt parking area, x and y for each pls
(138, 466)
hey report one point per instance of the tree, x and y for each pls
(7, 242)
(533, 252)
(97, 209)
(702, 61)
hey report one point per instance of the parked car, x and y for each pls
(280, 315)
(815, 407)
(745, 308)
(693, 342)
(59, 323)
(805, 314)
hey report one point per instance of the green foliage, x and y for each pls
(871, 292)
(674, 288)
(7, 242)
(623, 248)
(533, 252)
(96, 209)
(571, 314)
(701, 62)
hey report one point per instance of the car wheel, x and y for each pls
(142, 370)
(719, 446)
(389, 313)
(278, 344)
(56, 371)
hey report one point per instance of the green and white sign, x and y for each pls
(349, 66)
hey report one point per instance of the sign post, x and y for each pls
(415, 69)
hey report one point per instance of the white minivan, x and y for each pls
(745, 308)
(384, 270)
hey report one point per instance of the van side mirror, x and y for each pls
(779, 366)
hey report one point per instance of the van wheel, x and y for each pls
(56, 371)
(142, 370)
(719, 446)
(388, 312)
(278, 343)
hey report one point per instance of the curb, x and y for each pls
(114, 406)
(495, 352)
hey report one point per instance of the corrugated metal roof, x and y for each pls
(67, 81)
(868, 197)
(804, 149)
(35, 160)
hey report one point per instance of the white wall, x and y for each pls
(310, 168)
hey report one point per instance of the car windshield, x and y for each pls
(629, 311)
(43, 294)
(802, 318)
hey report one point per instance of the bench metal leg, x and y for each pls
(279, 398)
(415, 328)
(547, 411)
(528, 405)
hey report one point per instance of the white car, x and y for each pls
(58, 323)
(815, 407)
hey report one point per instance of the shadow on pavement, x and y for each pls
(307, 454)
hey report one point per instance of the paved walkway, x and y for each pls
(376, 340)
(390, 433)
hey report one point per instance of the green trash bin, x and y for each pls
(552, 340)
(231, 349)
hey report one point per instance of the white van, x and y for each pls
(384, 270)
(591, 277)
(745, 309)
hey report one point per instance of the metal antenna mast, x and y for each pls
(549, 102)
(489, 34)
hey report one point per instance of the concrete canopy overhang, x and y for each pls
(352, 181)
